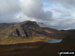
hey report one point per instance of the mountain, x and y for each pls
(27, 30)
(30, 31)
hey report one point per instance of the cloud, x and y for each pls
(34, 8)
(8, 6)
(66, 18)
(8, 10)
(21, 10)
(65, 21)
(65, 3)
(30, 8)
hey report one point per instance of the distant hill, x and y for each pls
(4, 25)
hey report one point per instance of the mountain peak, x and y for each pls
(29, 24)
(28, 30)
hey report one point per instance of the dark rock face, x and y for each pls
(25, 29)
(29, 24)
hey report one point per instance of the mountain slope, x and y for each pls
(28, 30)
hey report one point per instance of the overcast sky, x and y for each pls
(59, 14)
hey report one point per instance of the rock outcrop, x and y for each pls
(30, 29)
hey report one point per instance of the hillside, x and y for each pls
(27, 31)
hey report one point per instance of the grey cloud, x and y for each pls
(8, 10)
(34, 8)
(8, 6)
(30, 8)
(66, 3)
(20, 10)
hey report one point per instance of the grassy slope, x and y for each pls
(16, 40)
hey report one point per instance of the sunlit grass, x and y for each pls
(15, 40)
